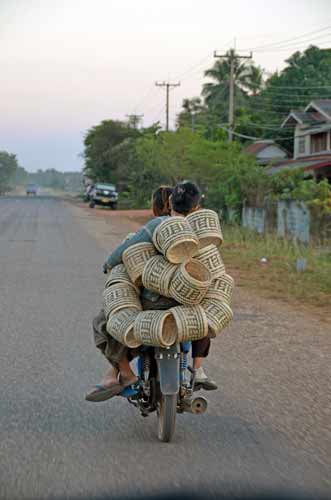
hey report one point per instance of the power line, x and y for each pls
(290, 39)
(167, 85)
(244, 136)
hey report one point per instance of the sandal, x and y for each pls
(102, 393)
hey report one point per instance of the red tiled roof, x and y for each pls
(307, 163)
(257, 147)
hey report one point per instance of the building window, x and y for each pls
(302, 144)
(319, 142)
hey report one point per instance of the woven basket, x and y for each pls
(218, 313)
(191, 322)
(157, 275)
(206, 225)
(135, 258)
(190, 282)
(156, 328)
(210, 256)
(119, 274)
(120, 326)
(221, 289)
(175, 239)
(118, 297)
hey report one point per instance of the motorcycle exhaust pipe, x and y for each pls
(197, 405)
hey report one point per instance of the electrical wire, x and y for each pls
(281, 42)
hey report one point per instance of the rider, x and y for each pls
(184, 199)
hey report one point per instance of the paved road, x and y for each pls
(53, 443)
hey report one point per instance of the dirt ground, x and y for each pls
(275, 357)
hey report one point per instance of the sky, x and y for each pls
(67, 65)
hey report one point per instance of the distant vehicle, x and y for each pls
(32, 189)
(105, 195)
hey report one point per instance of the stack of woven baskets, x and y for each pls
(184, 263)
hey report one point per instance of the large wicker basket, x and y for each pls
(191, 322)
(119, 274)
(219, 314)
(157, 275)
(190, 282)
(175, 239)
(120, 296)
(221, 289)
(120, 326)
(156, 328)
(206, 225)
(210, 256)
(135, 258)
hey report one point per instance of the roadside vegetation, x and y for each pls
(269, 264)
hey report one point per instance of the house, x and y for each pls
(312, 140)
(266, 152)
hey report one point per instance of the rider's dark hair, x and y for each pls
(161, 201)
(186, 197)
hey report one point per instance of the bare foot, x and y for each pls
(110, 378)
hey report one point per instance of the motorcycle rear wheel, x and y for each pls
(167, 417)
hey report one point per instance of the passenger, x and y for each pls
(183, 200)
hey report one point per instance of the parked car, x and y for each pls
(31, 189)
(105, 195)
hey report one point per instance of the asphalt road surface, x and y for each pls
(256, 435)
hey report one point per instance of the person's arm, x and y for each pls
(145, 234)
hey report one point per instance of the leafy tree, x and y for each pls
(306, 77)
(99, 144)
(8, 167)
(247, 78)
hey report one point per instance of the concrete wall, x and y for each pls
(290, 219)
(293, 220)
(254, 218)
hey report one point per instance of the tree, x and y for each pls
(8, 167)
(306, 77)
(99, 143)
(247, 78)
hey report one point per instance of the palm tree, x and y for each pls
(191, 108)
(247, 79)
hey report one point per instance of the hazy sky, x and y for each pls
(67, 65)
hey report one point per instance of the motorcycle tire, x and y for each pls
(167, 417)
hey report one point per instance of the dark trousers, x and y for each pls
(200, 348)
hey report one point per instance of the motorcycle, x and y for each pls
(164, 387)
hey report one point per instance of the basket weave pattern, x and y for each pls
(218, 313)
(155, 328)
(175, 239)
(190, 282)
(191, 322)
(189, 270)
(135, 258)
(206, 225)
(120, 326)
(157, 275)
(210, 256)
(118, 274)
(221, 289)
(118, 297)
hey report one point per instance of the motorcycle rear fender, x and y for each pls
(168, 368)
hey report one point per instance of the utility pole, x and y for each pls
(134, 119)
(232, 57)
(167, 85)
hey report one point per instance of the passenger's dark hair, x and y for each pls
(186, 196)
(161, 202)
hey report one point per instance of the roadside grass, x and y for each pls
(243, 250)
